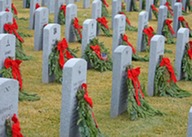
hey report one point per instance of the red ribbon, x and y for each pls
(154, 8)
(14, 65)
(37, 6)
(105, 3)
(149, 32)
(7, 10)
(12, 29)
(63, 8)
(168, 23)
(167, 4)
(62, 48)
(125, 39)
(127, 20)
(190, 50)
(166, 62)
(103, 21)
(77, 26)
(16, 130)
(97, 50)
(14, 9)
(182, 19)
(133, 74)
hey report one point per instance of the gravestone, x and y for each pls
(140, 4)
(5, 17)
(8, 101)
(88, 33)
(24, 3)
(156, 50)
(189, 130)
(162, 2)
(162, 16)
(173, 3)
(8, 4)
(148, 8)
(51, 5)
(32, 12)
(177, 12)
(41, 19)
(2, 6)
(143, 21)
(58, 4)
(69, 1)
(184, 4)
(86, 4)
(129, 5)
(51, 34)
(119, 28)
(122, 58)
(182, 40)
(7, 47)
(44, 2)
(71, 13)
(74, 75)
(116, 8)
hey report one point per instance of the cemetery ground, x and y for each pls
(42, 118)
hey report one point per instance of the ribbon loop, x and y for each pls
(168, 23)
(149, 32)
(125, 39)
(97, 50)
(77, 26)
(63, 8)
(103, 21)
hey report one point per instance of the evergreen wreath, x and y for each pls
(138, 107)
(103, 25)
(165, 81)
(87, 123)
(11, 70)
(156, 3)
(104, 12)
(135, 56)
(98, 56)
(185, 24)
(168, 31)
(155, 11)
(169, 9)
(128, 23)
(187, 62)
(59, 55)
(13, 127)
(77, 29)
(12, 29)
(62, 14)
(148, 33)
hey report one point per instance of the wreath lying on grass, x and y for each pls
(12, 29)
(57, 58)
(62, 13)
(135, 56)
(13, 127)
(87, 123)
(11, 70)
(165, 81)
(168, 31)
(138, 107)
(103, 25)
(77, 29)
(105, 12)
(98, 56)
(155, 11)
(185, 24)
(187, 62)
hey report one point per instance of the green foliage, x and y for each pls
(61, 17)
(95, 62)
(143, 5)
(104, 30)
(155, 14)
(19, 51)
(105, 12)
(8, 127)
(131, 28)
(168, 35)
(24, 35)
(156, 3)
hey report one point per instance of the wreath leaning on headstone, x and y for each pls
(187, 62)
(165, 81)
(62, 13)
(138, 107)
(185, 24)
(104, 10)
(97, 56)
(103, 25)
(169, 10)
(168, 31)
(87, 123)
(155, 11)
(148, 33)
(77, 28)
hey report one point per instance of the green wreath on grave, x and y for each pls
(169, 10)
(138, 107)
(12, 126)
(87, 123)
(135, 56)
(185, 24)
(77, 29)
(154, 11)
(148, 33)
(59, 55)
(62, 13)
(103, 25)
(165, 81)
(128, 23)
(104, 12)
(187, 61)
(98, 56)
(11, 70)
(12, 29)
(168, 31)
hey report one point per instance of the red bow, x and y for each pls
(62, 48)
(133, 74)
(154, 8)
(105, 3)
(14, 9)
(14, 65)
(190, 50)
(97, 51)
(37, 6)
(103, 21)
(7, 10)
(149, 32)
(168, 23)
(16, 127)
(77, 26)
(169, 8)
(63, 8)
(166, 62)
(127, 20)
(12, 29)
(182, 19)
(125, 39)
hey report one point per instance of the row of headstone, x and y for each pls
(116, 8)
(5, 5)
(5, 17)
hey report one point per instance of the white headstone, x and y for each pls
(162, 16)
(189, 130)
(116, 8)
(8, 5)
(5, 17)
(58, 4)
(86, 4)
(96, 9)
(2, 5)
(69, 1)
(177, 12)
(148, 8)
